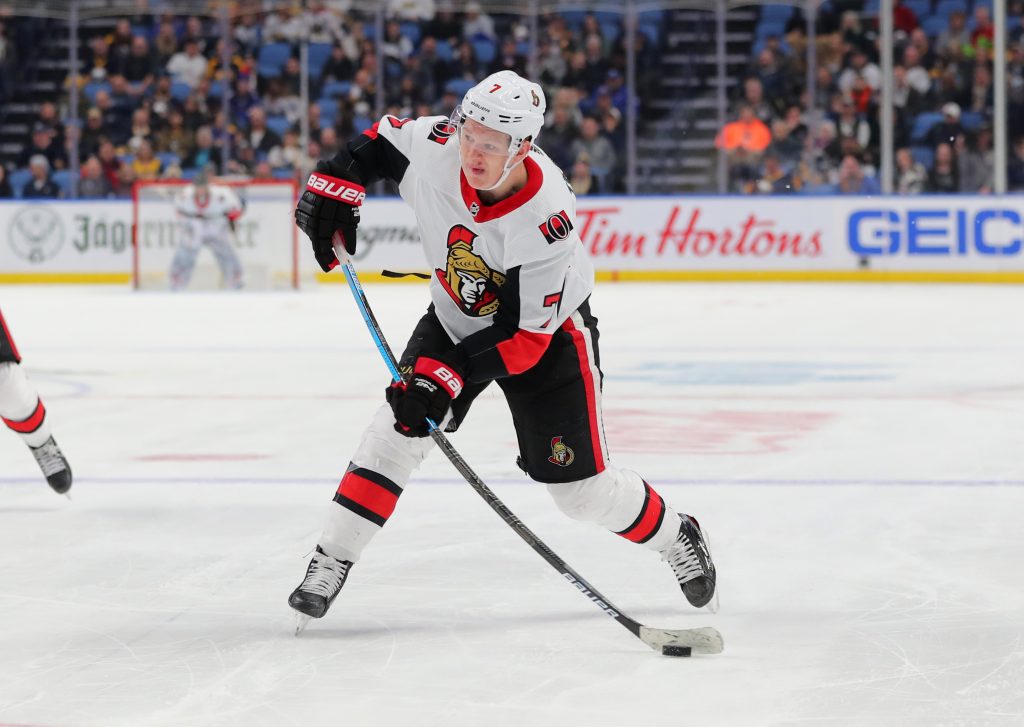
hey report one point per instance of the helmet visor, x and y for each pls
(476, 137)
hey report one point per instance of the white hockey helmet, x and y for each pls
(505, 102)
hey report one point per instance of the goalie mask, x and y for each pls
(507, 103)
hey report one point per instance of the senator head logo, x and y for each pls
(561, 454)
(468, 279)
(36, 233)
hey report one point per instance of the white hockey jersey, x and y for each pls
(209, 218)
(504, 276)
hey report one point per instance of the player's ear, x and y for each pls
(524, 149)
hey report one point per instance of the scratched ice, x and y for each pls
(854, 451)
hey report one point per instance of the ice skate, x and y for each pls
(691, 561)
(54, 466)
(324, 578)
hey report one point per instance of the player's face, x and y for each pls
(484, 153)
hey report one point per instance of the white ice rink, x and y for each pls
(856, 451)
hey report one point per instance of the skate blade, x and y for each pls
(301, 620)
(712, 605)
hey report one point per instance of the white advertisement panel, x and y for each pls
(66, 237)
(816, 235)
(761, 233)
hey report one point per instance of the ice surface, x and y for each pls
(855, 452)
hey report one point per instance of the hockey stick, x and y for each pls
(671, 642)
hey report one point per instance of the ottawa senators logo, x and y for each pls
(535, 98)
(441, 132)
(556, 227)
(468, 279)
(561, 454)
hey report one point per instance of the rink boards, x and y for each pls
(933, 238)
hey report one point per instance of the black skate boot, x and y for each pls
(54, 466)
(691, 562)
(324, 578)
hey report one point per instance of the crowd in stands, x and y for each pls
(943, 101)
(154, 92)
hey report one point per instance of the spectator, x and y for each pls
(853, 180)
(93, 184)
(597, 148)
(753, 96)
(975, 162)
(952, 41)
(291, 77)
(911, 176)
(748, 134)
(137, 67)
(329, 143)
(246, 33)
(145, 165)
(8, 62)
(43, 145)
(851, 125)
(595, 68)
(465, 64)
(917, 75)
(260, 138)
(125, 180)
(262, 172)
(982, 37)
(508, 57)
(174, 137)
(944, 176)
(204, 154)
(582, 180)
(120, 41)
(109, 163)
(282, 27)
(92, 135)
(445, 26)
(412, 9)
(774, 178)
(860, 67)
(784, 147)
(339, 66)
(395, 46)
(6, 192)
(165, 44)
(97, 59)
(478, 24)
(903, 18)
(188, 66)
(243, 98)
(141, 130)
(321, 25)
(289, 154)
(946, 131)
(559, 135)
(40, 185)
(49, 118)
(981, 93)
(919, 40)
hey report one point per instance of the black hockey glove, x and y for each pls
(428, 393)
(329, 204)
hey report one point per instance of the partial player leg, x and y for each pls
(556, 407)
(22, 410)
(227, 261)
(375, 479)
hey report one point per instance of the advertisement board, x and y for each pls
(645, 238)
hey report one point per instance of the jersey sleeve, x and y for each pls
(233, 205)
(528, 314)
(386, 150)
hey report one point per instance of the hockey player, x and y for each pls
(22, 411)
(510, 294)
(208, 213)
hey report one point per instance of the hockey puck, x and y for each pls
(673, 650)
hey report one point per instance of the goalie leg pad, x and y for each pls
(227, 261)
(20, 406)
(369, 491)
(182, 265)
(619, 500)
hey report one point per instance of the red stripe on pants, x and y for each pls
(654, 506)
(590, 386)
(32, 423)
(368, 494)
